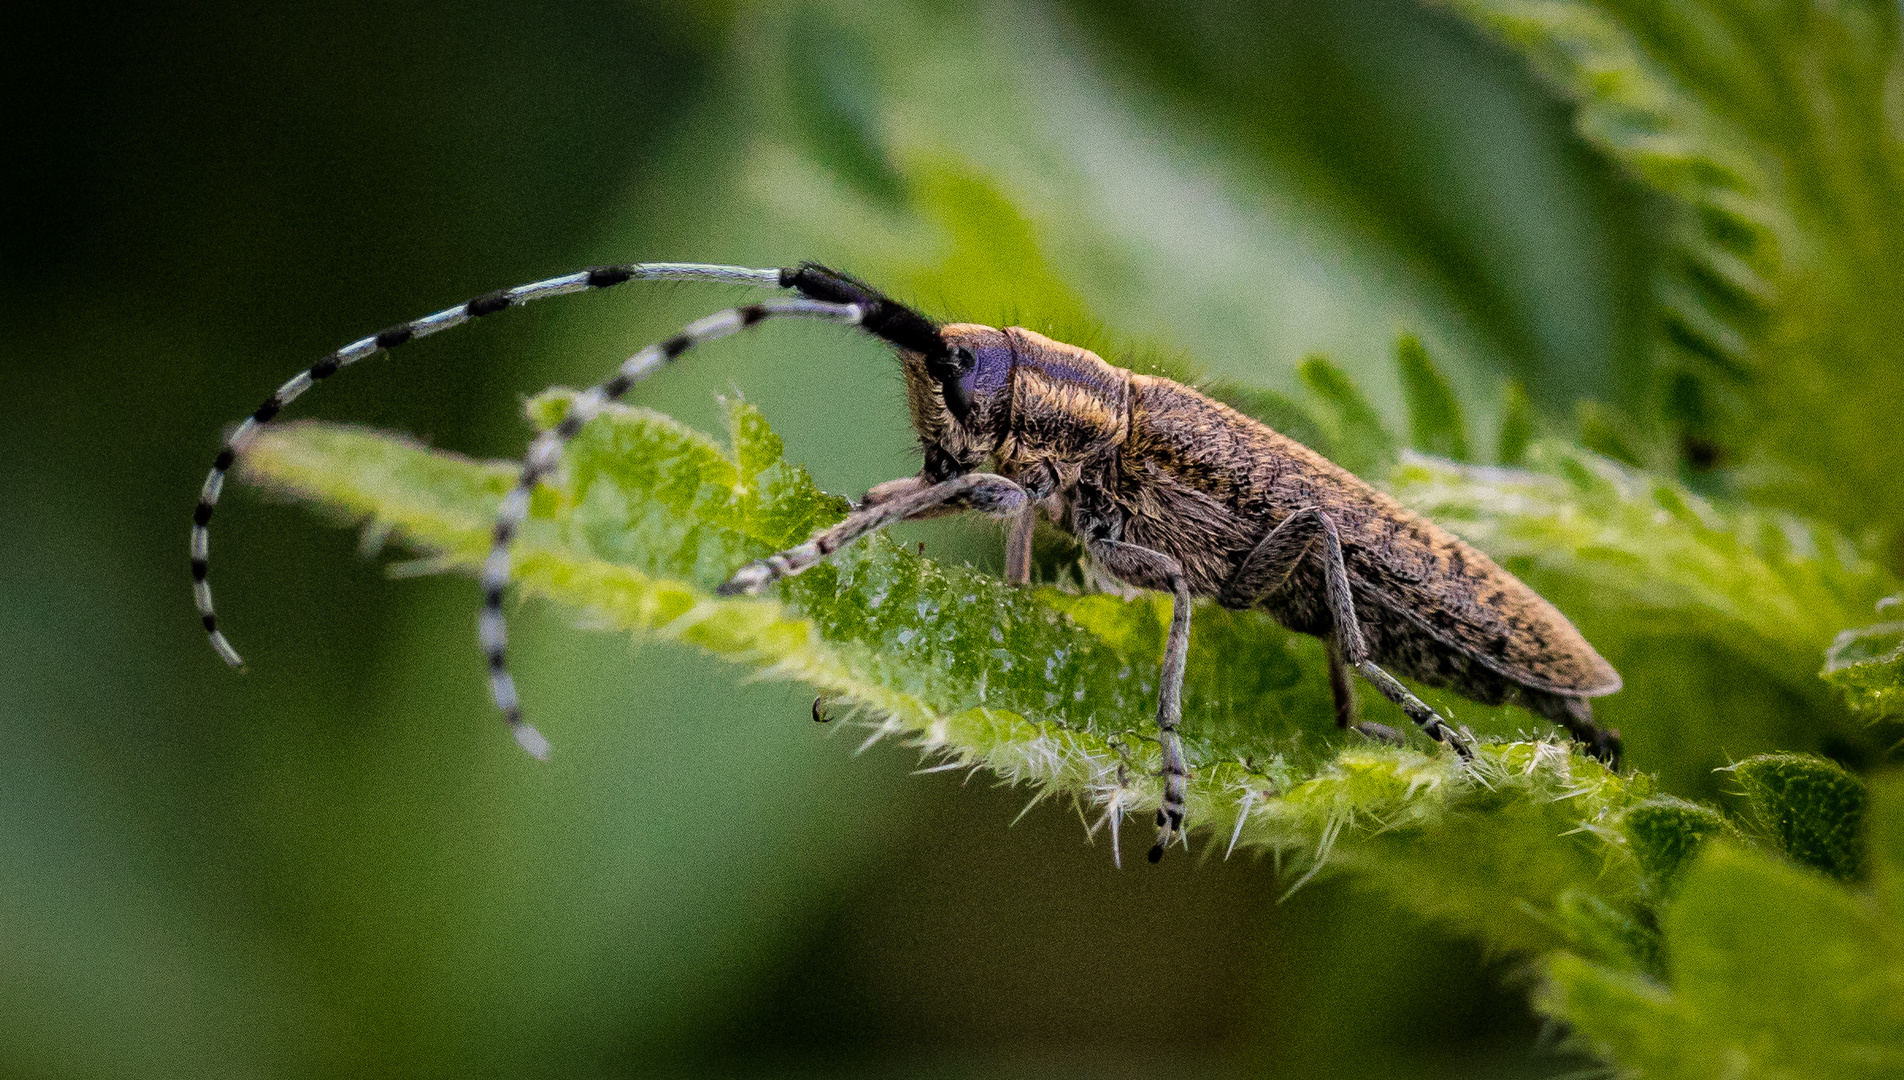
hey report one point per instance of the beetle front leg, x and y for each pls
(987, 493)
(1276, 557)
(1149, 569)
(1017, 541)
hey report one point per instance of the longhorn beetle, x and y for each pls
(1166, 488)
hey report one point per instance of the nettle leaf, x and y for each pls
(1811, 808)
(1775, 133)
(1867, 665)
(1043, 687)
(1764, 968)
(1665, 832)
(1435, 425)
(1774, 971)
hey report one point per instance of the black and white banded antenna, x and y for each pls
(825, 294)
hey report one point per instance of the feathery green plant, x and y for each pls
(1772, 131)
(1867, 664)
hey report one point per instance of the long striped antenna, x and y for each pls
(824, 294)
(546, 451)
(599, 277)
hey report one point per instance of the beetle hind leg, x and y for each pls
(1418, 710)
(1267, 567)
(1342, 687)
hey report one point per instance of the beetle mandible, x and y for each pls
(1166, 488)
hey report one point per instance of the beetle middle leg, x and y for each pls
(893, 501)
(1018, 546)
(1276, 557)
(1147, 569)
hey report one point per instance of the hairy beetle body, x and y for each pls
(1204, 483)
(1148, 461)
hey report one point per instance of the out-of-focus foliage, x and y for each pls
(1867, 664)
(1773, 129)
(1435, 426)
(1771, 971)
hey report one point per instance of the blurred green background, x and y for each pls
(336, 865)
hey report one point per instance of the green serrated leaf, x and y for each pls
(1772, 971)
(1866, 664)
(1435, 425)
(1359, 439)
(1044, 687)
(1613, 936)
(1644, 550)
(1810, 807)
(1665, 832)
(1774, 132)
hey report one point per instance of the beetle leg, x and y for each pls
(1341, 688)
(1273, 560)
(986, 493)
(1276, 557)
(1149, 569)
(1018, 546)
(1428, 719)
(906, 487)
(1017, 541)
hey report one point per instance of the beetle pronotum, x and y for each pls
(1166, 488)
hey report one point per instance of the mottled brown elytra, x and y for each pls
(1166, 488)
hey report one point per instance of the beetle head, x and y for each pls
(958, 377)
(961, 398)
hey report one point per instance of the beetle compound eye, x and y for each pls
(956, 383)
